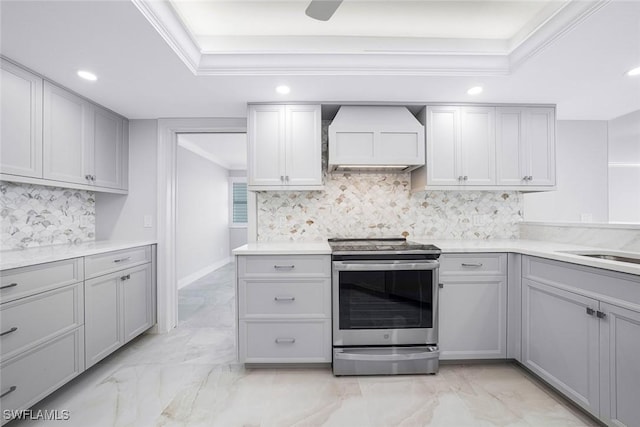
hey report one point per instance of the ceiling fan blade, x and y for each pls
(322, 10)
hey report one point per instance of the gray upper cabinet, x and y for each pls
(51, 136)
(284, 147)
(486, 148)
(21, 117)
(68, 129)
(525, 146)
(83, 143)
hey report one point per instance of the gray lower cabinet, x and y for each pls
(581, 334)
(55, 320)
(560, 341)
(472, 306)
(41, 331)
(118, 308)
(619, 365)
(284, 308)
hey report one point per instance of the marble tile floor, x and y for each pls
(190, 377)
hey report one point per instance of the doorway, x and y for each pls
(211, 220)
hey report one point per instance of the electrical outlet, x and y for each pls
(479, 220)
(148, 221)
(586, 217)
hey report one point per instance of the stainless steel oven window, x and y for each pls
(385, 302)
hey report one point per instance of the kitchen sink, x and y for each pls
(609, 257)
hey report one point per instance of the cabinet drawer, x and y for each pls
(21, 282)
(473, 264)
(278, 298)
(281, 342)
(97, 265)
(284, 265)
(30, 321)
(31, 376)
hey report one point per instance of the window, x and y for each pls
(238, 193)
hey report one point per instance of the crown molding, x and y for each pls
(443, 57)
(556, 26)
(168, 24)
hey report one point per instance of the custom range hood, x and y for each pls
(374, 139)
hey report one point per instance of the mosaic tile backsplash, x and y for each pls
(382, 205)
(33, 215)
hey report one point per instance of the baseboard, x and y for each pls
(186, 281)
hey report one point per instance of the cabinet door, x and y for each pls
(137, 301)
(303, 154)
(510, 149)
(68, 130)
(443, 146)
(103, 327)
(541, 146)
(266, 154)
(560, 341)
(21, 118)
(620, 369)
(478, 145)
(108, 142)
(472, 318)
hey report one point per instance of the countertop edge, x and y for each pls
(44, 254)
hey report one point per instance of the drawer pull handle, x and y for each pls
(464, 264)
(285, 298)
(9, 286)
(284, 267)
(601, 315)
(285, 340)
(9, 331)
(590, 311)
(127, 277)
(122, 259)
(11, 390)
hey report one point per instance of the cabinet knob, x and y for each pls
(282, 178)
(87, 177)
(590, 311)
(530, 178)
(460, 178)
(465, 177)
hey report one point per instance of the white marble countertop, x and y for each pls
(284, 248)
(41, 254)
(544, 249)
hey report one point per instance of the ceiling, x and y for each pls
(228, 150)
(151, 64)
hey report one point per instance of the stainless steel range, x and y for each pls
(385, 307)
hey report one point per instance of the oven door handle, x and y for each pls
(424, 353)
(386, 265)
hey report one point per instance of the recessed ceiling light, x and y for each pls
(475, 90)
(283, 89)
(87, 75)
(634, 72)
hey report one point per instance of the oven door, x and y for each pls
(385, 302)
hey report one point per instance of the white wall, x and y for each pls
(202, 211)
(121, 217)
(581, 160)
(624, 168)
